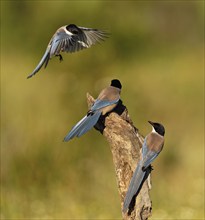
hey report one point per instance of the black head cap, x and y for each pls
(159, 128)
(72, 28)
(116, 83)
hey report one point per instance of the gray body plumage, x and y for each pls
(105, 102)
(152, 146)
(69, 38)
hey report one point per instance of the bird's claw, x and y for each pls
(60, 57)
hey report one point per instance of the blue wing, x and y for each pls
(148, 155)
(58, 42)
(98, 104)
(63, 42)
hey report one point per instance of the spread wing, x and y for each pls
(92, 36)
(63, 42)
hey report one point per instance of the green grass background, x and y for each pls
(156, 49)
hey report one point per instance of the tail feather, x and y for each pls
(75, 130)
(84, 125)
(134, 186)
(90, 123)
(45, 59)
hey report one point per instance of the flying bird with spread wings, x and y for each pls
(70, 38)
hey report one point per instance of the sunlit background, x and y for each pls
(156, 49)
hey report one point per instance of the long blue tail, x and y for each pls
(84, 125)
(45, 60)
(134, 186)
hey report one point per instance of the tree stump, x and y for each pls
(125, 144)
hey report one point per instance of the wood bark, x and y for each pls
(125, 143)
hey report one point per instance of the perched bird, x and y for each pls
(106, 102)
(69, 38)
(152, 146)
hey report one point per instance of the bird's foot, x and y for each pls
(60, 57)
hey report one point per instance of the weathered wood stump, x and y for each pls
(125, 144)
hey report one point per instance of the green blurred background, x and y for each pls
(156, 49)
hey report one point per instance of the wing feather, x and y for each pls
(92, 36)
(63, 42)
(99, 104)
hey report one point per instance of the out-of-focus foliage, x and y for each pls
(156, 49)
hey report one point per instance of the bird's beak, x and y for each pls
(152, 123)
